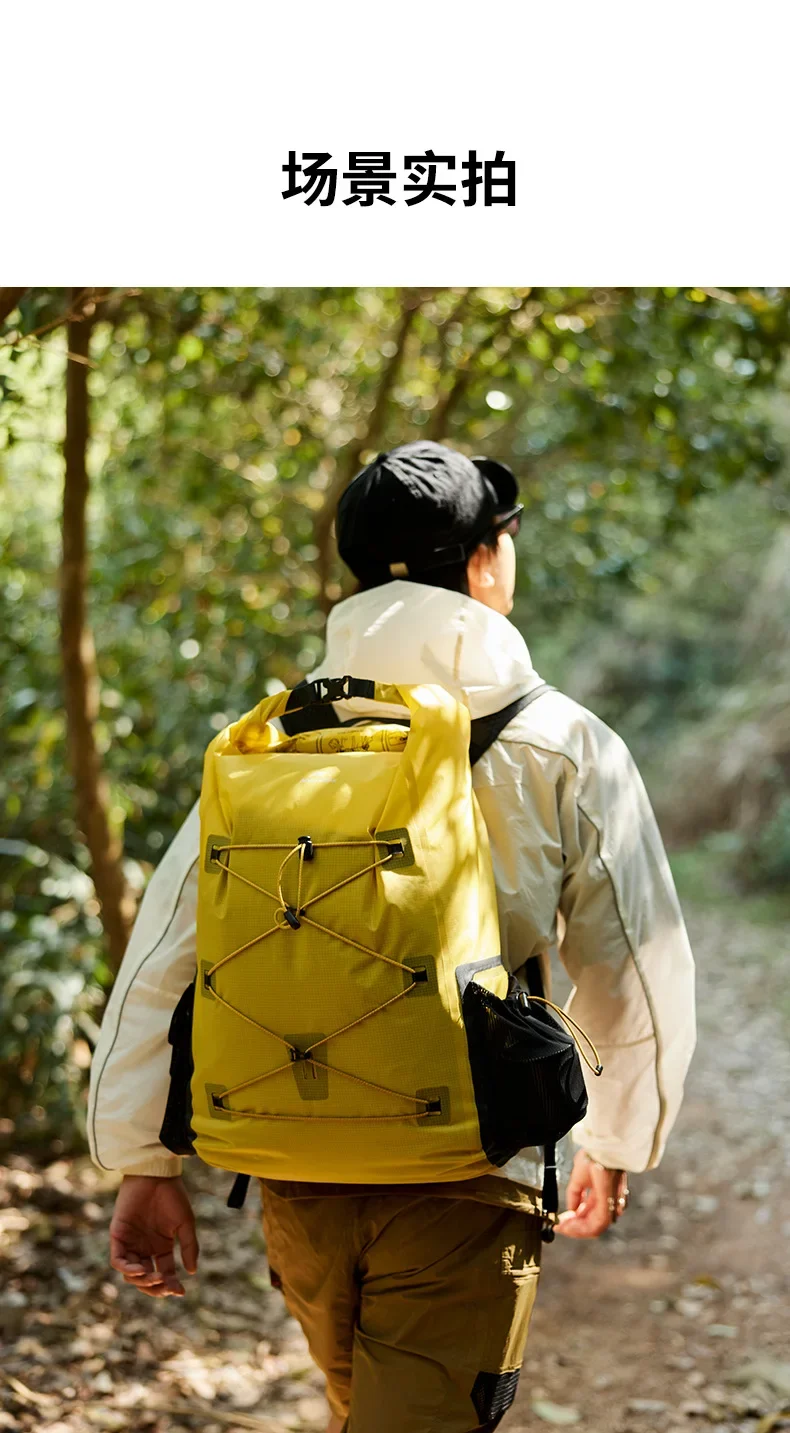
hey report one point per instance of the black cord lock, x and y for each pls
(308, 850)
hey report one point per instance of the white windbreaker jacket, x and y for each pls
(578, 861)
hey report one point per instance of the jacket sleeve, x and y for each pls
(131, 1064)
(626, 949)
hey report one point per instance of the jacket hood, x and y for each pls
(409, 632)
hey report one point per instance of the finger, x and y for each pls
(158, 1291)
(590, 1218)
(584, 1226)
(156, 1268)
(164, 1270)
(591, 1222)
(145, 1280)
(568, 1216)
(155, 1281)
(124, 1256)
(568, 1225)
(127, 1266)
(164, 1261)
(125, 1261)
(576, 1194)
(578, 1184)
(147, 1271)
(190, 1251)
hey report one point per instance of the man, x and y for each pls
(416, 1300)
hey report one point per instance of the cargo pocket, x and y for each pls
(510, 1288)
(494, 1389)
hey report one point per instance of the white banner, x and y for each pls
(153, 143)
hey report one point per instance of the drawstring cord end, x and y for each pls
(573, 1027)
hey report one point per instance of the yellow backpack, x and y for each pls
(352, 1018)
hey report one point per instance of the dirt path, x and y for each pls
(679, 1319)
(649, 1327)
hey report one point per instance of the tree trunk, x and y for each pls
(350, 461)
(9, 298)
(80, 677)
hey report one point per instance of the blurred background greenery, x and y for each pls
(647, 428)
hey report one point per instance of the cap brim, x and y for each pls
(502, 481)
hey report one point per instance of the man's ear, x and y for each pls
(479, 570)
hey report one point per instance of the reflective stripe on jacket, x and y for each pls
(578, 861)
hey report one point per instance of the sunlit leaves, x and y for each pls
(221, 418)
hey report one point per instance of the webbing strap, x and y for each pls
(238, 1193)
(299, 711)
(483, 731)
(486, 729)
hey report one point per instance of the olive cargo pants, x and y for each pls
(415, 1307)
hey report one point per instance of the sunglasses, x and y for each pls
(509, 522)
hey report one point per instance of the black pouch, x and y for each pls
(177, 1133)
(527, 1076)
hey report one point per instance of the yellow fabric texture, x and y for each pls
(328, 1038)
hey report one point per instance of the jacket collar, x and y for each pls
(408, 632)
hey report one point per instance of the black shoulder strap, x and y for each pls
(486, 729)
(301, 712)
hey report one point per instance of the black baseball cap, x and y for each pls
(419, 507)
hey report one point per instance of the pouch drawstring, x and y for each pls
(549, 1197)
(597, 1068)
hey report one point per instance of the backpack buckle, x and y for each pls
(332, 689)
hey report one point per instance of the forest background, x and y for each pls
(186, 565)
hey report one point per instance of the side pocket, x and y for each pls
(177, 1133)
(527, 1076)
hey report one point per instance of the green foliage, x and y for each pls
(695, 674)
(765, 860)
(220, 419)
(51, 979)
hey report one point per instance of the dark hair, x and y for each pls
(452, 577)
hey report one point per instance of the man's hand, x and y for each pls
(596, 1197)
(149, 1215)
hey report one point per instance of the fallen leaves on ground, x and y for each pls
(678, 1321)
